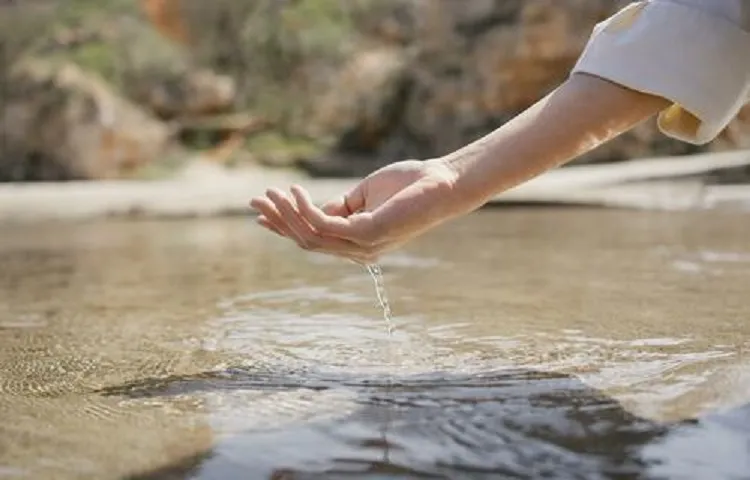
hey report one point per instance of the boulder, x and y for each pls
(370, 82)
(163, 76)
(369, 89)
(472, 65)
(184, 92)
(60, 123)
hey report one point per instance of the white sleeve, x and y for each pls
(694, 53)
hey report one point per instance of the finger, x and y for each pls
(336, 208)
(309, 238)
(268, 210)
(330, 246)
(344, 228)
(346, 205)
(263, 221)
(303, 233)
(355, 199)
(364, 260)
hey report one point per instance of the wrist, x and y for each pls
(580, 115)
(457, 198)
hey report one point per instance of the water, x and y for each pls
(377, 277)
(530, 343)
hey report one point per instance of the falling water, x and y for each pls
(377, 276)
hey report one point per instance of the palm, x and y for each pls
(383, 184)
(386, 209)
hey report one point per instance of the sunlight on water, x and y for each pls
(377, 276)
(245, 362)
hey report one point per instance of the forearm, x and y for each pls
(581, 114)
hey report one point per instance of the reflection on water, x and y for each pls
(438, 425)
(556, 344)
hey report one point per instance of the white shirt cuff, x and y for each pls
(698, 61)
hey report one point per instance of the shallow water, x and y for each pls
(537, 343)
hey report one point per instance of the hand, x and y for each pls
(385, 210)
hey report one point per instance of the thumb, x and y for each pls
(354, 227)
(336, 208)
(348, 204)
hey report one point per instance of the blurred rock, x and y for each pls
(483, 61)
(390, 22)
(366, 93)
(161, 75)
(60, 123)
(369, 82)
(473, 65)
(359, 112)
(176, 93)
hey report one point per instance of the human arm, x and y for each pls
(578, 116)
(623, 77)
(413, 197)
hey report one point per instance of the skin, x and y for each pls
(398, 203)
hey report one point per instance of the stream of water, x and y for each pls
(376, 272)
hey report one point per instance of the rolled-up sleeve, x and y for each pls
(693, 56)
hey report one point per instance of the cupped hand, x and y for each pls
(385, 210)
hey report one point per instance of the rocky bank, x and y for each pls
(336, 87)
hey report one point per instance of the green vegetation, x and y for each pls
(273, 53)
(81, 12)
(279, 53)
(275, 143)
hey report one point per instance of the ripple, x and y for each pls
(708, 261)
(712, 256)
(642, 369)
(116, 358)
(391, 260)
(292, 295)
(23, 322)
(513, 422)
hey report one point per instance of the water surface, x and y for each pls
(540, 343)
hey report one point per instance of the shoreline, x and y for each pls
(207, 190)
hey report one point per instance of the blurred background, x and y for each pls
(102, 89)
